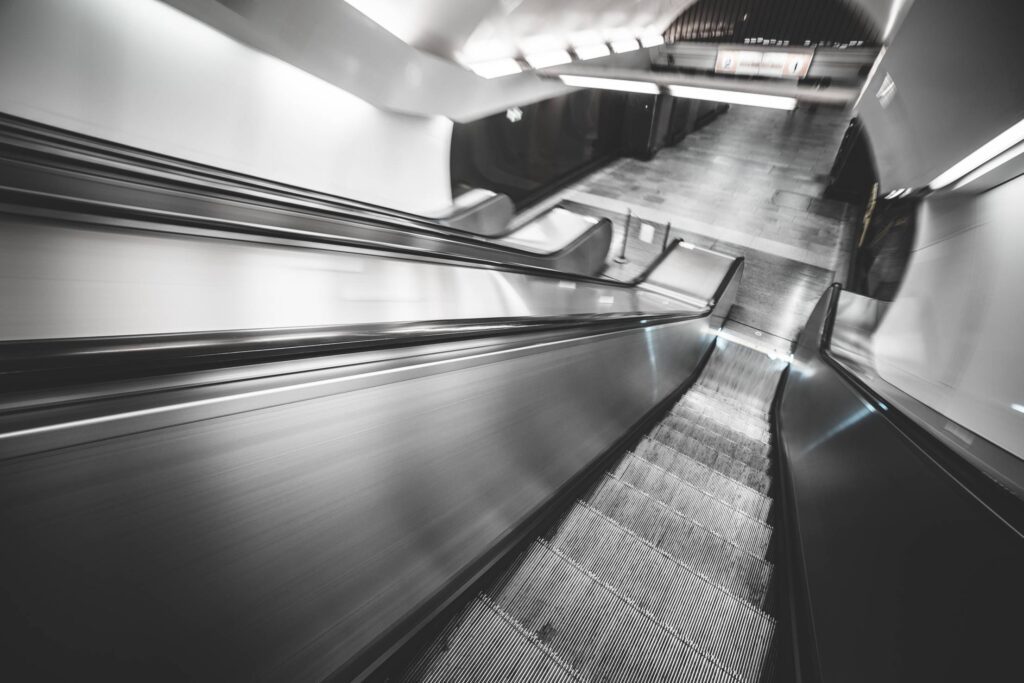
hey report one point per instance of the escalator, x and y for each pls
(60, 173)
(224, 457)
(660, 572)
(227, 452)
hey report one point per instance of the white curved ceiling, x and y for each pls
(399, 54)
(475, 30)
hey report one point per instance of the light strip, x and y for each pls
(1008, 155)
(611, 84)
(981, 156)
(733, 97)
(651, 40)
(496, 68)
(545, 59)
(620, 46)
(592, 51)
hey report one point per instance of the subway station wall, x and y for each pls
(956, 67)
(954, 336)
(141, 73)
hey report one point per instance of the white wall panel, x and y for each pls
(953, 337)
(956, 67)
(141, 73)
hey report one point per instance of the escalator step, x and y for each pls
(725, 489)
(734, 632)
(729, 522)
(742, 372)
(737, 446)
(715, 459)
(710, 555)
(486, 644)
(736, 426)
(728, 403)
(595, 629)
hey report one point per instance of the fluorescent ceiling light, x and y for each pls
(545, 59)
(620, 46)
(1008, 155)
(982, 156)
(651, 40)
(496, 68)
(611, 84)
(733, 97)
(592, 51)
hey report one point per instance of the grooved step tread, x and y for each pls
(721, 486)
(749, 451)
(715, 459)
(734, 632)
(595, 629)
(732, 524)
(487, 644)
(743, 574)
(734, 425)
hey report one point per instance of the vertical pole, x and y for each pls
(668, 231)
(625, 237)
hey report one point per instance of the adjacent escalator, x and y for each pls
(54, 172)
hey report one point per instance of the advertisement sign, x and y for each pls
(771, 64)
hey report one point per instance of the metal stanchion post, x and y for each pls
(621, 258)
(668, 231)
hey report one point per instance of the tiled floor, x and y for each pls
(750, 183)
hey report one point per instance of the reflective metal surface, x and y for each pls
(856, 321)
(553, 230)
(277, 530)
(59, 279)
(905, 574)
(481, 212)
(690, 273)
(43, 168)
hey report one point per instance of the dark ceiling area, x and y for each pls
(810, 23)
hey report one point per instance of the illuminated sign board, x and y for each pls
(773, 64)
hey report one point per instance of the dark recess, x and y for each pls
(530, 153)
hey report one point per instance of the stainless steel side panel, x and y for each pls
(60, 280)
(908, 576)
(277, 536)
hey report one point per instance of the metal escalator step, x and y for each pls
(748, 533)
(722, 487)
(732, 631)
(736, 424)
(730, 404)
(486, 644)
(740, 371)
(737, 446)
(715, 459)
(595, 629)
(728, 565)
